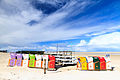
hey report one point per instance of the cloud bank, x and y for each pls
(107, 42)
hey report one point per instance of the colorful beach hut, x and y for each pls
(78, 63)
(31, 62)
(51, 62)
(108, 63)
(25, 60)
(12, 60)
(19, 60)
(90, 63)
(83, 62)
(96, 63)
(102, 63)
(38, 61)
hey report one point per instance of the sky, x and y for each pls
(51, 25)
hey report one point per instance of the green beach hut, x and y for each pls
(96, 63)
(32, 60)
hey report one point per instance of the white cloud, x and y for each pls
(105, 42)
(110, 29)
(81, 49)
(107, 39)
(15, 31)
(19, 48)
(52, 48)
(82, 43)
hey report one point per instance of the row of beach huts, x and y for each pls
(96, 63)
(52, 59)
(32, 61)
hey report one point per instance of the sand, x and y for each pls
(64, 73)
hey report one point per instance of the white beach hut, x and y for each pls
(38, 60)
(108, 63)
(90, 63)
(25, 60)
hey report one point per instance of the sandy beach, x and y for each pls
(64, 73)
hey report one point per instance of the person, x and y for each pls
(107, 55)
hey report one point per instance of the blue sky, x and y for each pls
(77, 25)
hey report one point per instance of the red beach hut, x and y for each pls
(102, 63)
(51, 64)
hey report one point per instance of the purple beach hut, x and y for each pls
(12, 60)
(19, 60)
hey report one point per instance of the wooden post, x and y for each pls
(44, 66)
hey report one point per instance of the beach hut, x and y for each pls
(102, 63)
(45, 57)
(25, 60)
(78, 63)
(90, 63)
(19, 60)
(108, 63)
(83, 62)
(12, 60)
(96, 63)
(38, 61)
(51, 63)
(31, 62)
